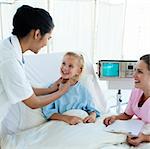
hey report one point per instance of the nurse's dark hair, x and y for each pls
(146, 59)
(27, 18)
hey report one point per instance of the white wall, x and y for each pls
(104, 29)
(74, 25)
(92, 26)
(137, 29)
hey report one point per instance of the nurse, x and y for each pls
(139, 102)
(32, 28)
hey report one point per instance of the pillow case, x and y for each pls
(76, 112)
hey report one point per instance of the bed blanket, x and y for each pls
(60, 135)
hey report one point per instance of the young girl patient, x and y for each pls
(77, 97)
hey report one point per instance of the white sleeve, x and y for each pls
(15, 83)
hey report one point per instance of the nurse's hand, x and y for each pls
(135, 141)
(109, 120)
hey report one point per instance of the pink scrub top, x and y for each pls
(132, 108)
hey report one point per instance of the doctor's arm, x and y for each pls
(44, 91)
(35, 102)
(18, 88)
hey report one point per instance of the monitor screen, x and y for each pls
(110, 69)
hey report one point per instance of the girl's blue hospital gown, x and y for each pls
(78, 97)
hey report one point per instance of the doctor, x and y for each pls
(32, 28)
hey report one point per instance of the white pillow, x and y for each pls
(76, 112)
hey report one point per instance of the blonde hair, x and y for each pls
(80, 59)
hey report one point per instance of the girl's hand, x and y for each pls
(73, 120)
(91, 118)
(109, 120)
(135, 141)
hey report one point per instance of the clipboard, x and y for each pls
(131, 127)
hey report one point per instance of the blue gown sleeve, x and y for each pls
(91, 108)
(90, 105)
(49, 110)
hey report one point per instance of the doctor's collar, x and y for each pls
(17, 47)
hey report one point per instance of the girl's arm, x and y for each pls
(72, 120)
(91, 118)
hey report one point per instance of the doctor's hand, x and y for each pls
(72, 80)
(135, 141)
(64, 84)
(109, 120)
(64, 87)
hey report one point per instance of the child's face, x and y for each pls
(70, 67)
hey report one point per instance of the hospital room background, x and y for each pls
(112, 35)
(103, 29)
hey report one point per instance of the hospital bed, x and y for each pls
(28, 129)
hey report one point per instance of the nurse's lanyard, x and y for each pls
(22, 54)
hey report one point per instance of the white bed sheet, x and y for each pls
(60, 135)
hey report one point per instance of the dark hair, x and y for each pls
(27, 18)
(146, 59)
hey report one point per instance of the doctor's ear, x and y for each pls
(37, 34)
